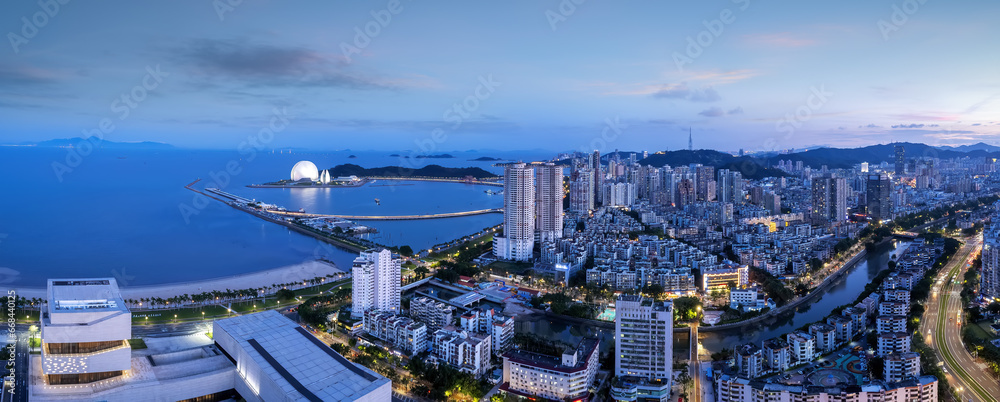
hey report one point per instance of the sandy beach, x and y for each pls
(287, 274)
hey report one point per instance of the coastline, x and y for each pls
(290, 273)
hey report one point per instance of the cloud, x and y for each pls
(914, 125)
(712, 112)
(720, 77)
(783, 39)
(682, 91)
(479, 124)
(11, 75)
(267, 65)
(738, 110)
(870, 125)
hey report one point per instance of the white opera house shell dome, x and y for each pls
(305, 170)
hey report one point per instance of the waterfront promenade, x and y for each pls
(288, 274)
(438, 179)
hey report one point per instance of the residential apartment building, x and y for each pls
(402, 333)
(738, 389)
(901, 366)
(468, 352)
(777, 354)
(750, 360)
(487, 321)
(890, 323)
(548, 201)
(644, 333)
(989, 280)
(826, 337)
(435, 314)
(375, 277)
(803, 346)
(518, 240)
(892, 342)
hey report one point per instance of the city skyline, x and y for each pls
(389, 200)
(775, 76)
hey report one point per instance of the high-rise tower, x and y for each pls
(989, 281)
(690, 141)
(829, 199)
(548, 201)
(375, 276)
(518, 238)
(644, 332)
(878, 190)
(900, 162)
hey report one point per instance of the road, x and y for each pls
(20, 367)
(945, 336)
(695, 364)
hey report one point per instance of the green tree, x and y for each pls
(654, 290)
(447, 275)
(285, 294)
(876, 367)
(686, 308)
(406, 250)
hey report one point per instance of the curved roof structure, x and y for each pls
(305, 170)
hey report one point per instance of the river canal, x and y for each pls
(844, 291)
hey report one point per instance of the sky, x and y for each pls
(567, 75)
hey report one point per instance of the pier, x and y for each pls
(438, 179)
(390, 217)
(224, 196)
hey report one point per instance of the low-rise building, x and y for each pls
(490, 322)
(435, 314)
(803, 346)
(901, 366)
(899, 295)
(858, 316)
(843, 327)
(893, 308)
(892, 342)
(739, 389)
(404, 334)
(725, 277)
(750, 360)
(468, 352)
(890, 323)
(277, 360)
(567, 377)
(777, 354)
(826, 338)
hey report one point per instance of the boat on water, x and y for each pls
(378, 201)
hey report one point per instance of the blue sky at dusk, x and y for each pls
(505, 74)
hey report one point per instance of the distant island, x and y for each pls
(487, 159)
(440, 156)
(74, 142)
(352, 157)
(399, 171)
(394, 155)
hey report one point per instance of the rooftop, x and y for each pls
(586, 347)
(299, 363)
(80, 295)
